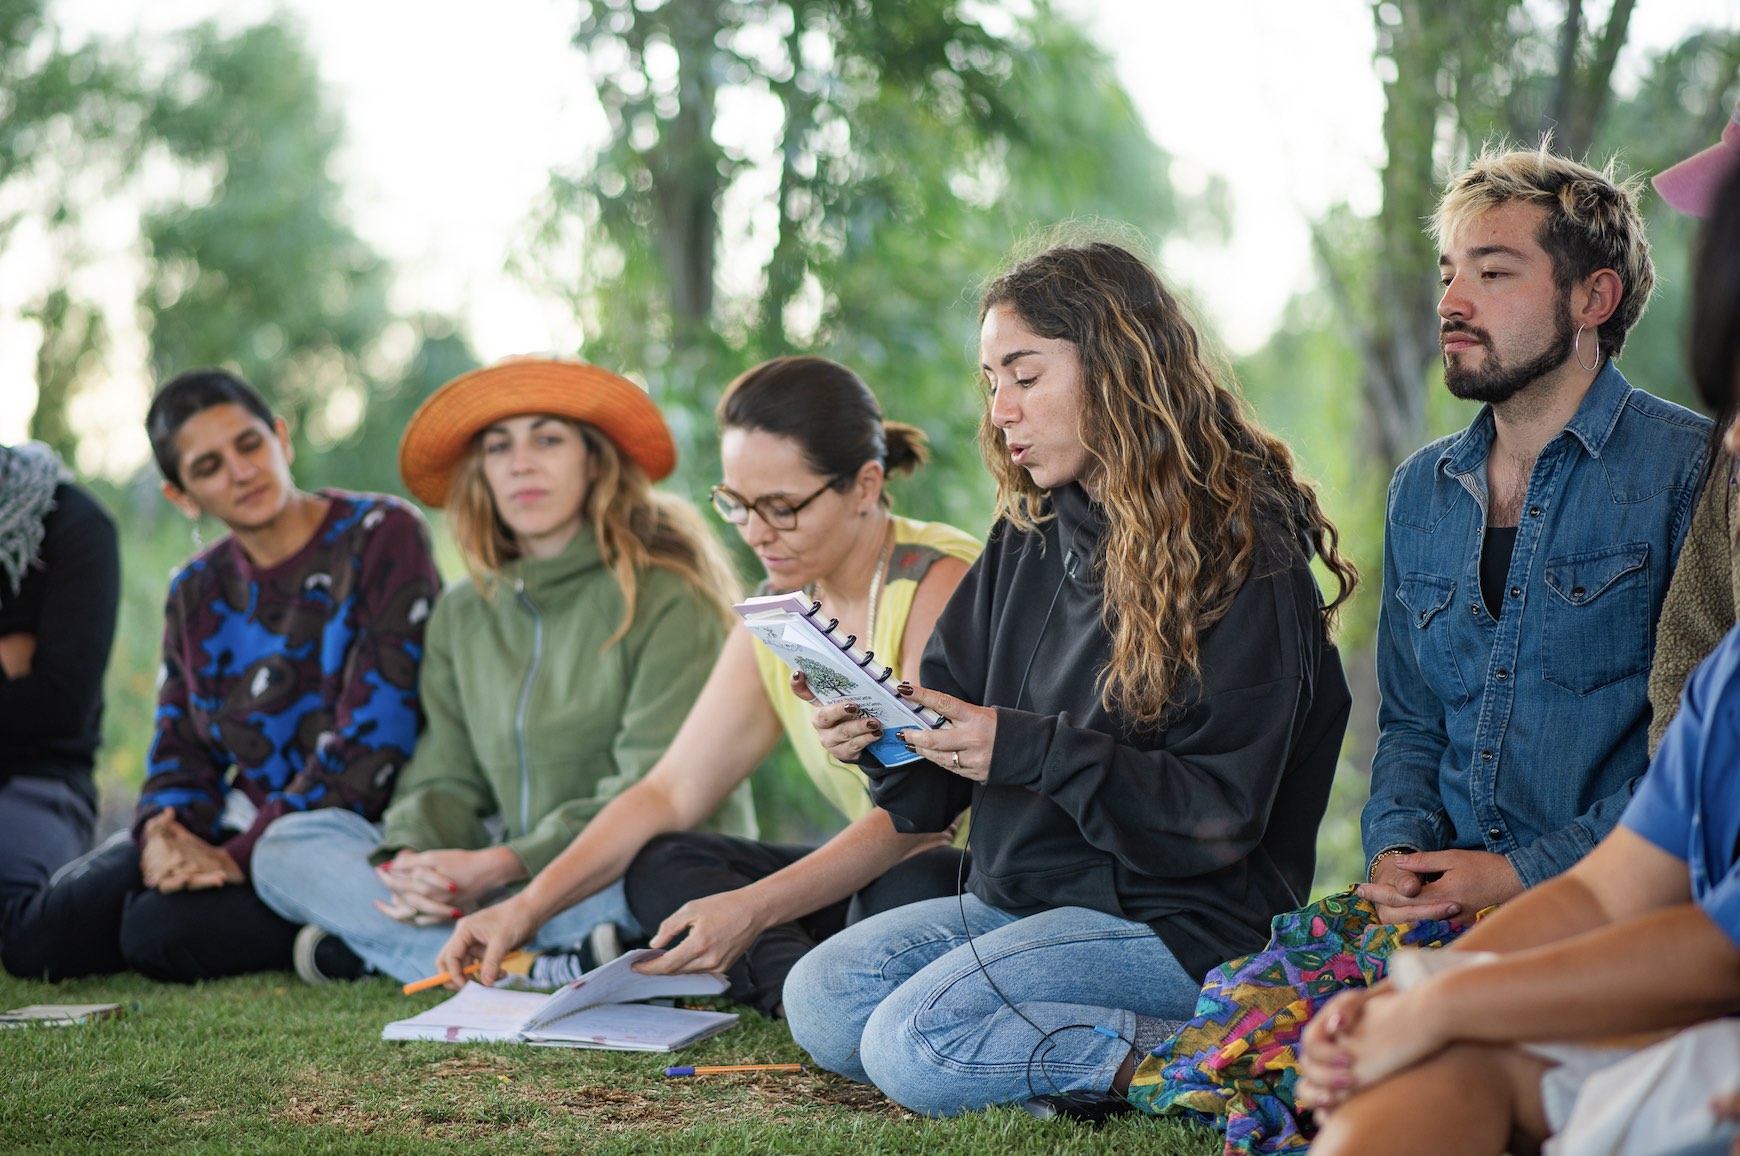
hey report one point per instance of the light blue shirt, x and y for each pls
(1525, 734)
(1689, 803)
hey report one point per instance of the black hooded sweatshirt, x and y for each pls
(1204, 827)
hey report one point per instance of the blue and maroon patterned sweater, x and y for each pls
(301, 678)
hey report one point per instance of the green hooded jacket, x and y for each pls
(530, 720)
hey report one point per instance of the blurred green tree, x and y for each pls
(68, 129)
(1446, 94)
(249, 262)
(253, 263)
(835, 176)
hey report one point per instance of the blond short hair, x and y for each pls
(1592, 222)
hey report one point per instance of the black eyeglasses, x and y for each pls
(779, 513)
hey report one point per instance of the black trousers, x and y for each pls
(673, 869)
(44, 823)
(100, 918)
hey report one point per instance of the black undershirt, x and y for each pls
(1495, 554)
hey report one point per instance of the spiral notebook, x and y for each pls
(593, 1011)
(836, 669)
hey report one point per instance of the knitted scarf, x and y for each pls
(28, 475)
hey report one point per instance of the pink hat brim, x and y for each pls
(1691, 185)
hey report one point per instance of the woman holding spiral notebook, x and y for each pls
(1145, 712)
(805, 451)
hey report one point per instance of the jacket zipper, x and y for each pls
(525, 700)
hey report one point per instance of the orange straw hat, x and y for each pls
(440, 432)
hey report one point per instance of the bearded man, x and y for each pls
(1525, 558)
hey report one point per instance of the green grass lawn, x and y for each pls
(266, 1063)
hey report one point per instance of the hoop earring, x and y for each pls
(198, 541)
(1577, 348)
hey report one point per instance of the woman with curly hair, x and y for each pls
(1145, 712)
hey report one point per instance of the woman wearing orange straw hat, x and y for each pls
(554, 677)
(805, 451)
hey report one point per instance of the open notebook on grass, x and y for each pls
(594, 1011)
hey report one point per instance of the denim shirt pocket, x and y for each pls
(1597, 627)
(1426, 597)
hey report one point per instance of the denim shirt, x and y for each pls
(1524, 735)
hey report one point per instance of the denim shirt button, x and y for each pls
(1534, 511)
(1516, 591)
(1577, 592)
(1501, 674)
(1486, 756)
(1474, 610)
(1495, 832)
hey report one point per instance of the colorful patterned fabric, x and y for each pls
(1236, 1063)
(295, 684)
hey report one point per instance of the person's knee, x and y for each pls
(292, 835)
(674, 855)
(1479, 1085)
(156, 940)
(674, 868)
(806, 1002)
(30, 957)
(279, 849)
(661, 853)
(299, 856)
(823, 1020)
(67, 929)
(901, 1062)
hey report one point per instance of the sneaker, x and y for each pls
(603, 944)
(552, 969)
(322, 957)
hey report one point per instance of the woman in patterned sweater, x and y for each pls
(289, 683)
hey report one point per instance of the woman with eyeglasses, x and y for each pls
(805, 452)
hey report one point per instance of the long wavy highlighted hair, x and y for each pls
(637, 528)
(1182, 469)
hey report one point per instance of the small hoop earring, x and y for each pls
(198, 541)
(1577, 348)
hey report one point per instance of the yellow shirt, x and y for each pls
(916, 546)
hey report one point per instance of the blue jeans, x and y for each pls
(900, 1001)
(313, 867)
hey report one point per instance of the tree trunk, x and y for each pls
(686, 170)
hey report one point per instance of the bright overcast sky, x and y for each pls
(456, 116)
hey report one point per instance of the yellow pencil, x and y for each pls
(710, 1069)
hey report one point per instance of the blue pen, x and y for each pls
(710, 1069)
